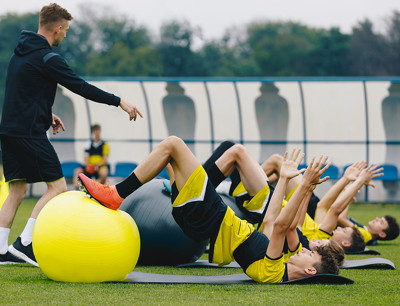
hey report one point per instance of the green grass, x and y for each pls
(25, 284)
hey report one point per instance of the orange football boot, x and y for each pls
(104, 194)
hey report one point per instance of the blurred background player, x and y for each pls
(95, 158)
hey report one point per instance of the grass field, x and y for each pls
(27, 285)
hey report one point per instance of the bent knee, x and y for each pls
(275, 159)
(19, 190)
(57, 187)
(172, 143)
(174, 139)
(237, 150)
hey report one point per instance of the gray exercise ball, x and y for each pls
(162, 240)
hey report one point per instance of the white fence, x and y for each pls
(348, 119)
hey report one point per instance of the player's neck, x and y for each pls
(49, 37)
(294, 272)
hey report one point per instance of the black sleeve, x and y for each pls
(58, 69)
(355, 222)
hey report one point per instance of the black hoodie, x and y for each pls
(33, 74)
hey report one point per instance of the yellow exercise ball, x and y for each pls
(75, 239)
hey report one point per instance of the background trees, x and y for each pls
(109, 44)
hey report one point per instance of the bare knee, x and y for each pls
(18, 190)
(237, 151)
(57, 187)
(274, 161)
(174, 140)
(172, 143)
(103, 174)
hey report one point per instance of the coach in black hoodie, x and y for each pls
(28, 156)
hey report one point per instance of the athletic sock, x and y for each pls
(4, 233)
(215, 175)
(26, 236)
(129, 185)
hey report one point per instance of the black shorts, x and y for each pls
(33, 160)
(200, 220)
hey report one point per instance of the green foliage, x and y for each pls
(329, 54)
(366, 50)
(25, 284)
(280, 48)
(175, 49)
(110, 44)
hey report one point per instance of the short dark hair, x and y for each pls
(357, 242)
(337, 252)
(392, 232)
(328, 263)
(95, 127)
(53, 13)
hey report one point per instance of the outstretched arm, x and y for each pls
(343, 220)
(327, 200)
(292, 237)
(301, 214)
(130, 109)
(287, 215)
(288, 171)
(344, 199)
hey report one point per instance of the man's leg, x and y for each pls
(53, 189)
(18, 190)
(251, 174)
(103, 174)
(75, 181)
(172, 150)
(272, 165)
(22, 247)
(214, 173)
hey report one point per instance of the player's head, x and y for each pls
(55, 20)
(96, 131)
(308, 262)
(384, 228)
(313, 244)
(349, 238)
(336, 250)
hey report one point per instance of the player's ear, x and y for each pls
(57, 28)
(382, 234)
(310, 271)
(346, 243)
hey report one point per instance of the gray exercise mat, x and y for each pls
(366, 251)
(369, 263)
(243, 279)
(205, 264)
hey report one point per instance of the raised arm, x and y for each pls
(287, 215)
(327, 200)
(58, 69)
(330, 221)
(288, 170)
(343, 221)
(292, 237)
(301, 213)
